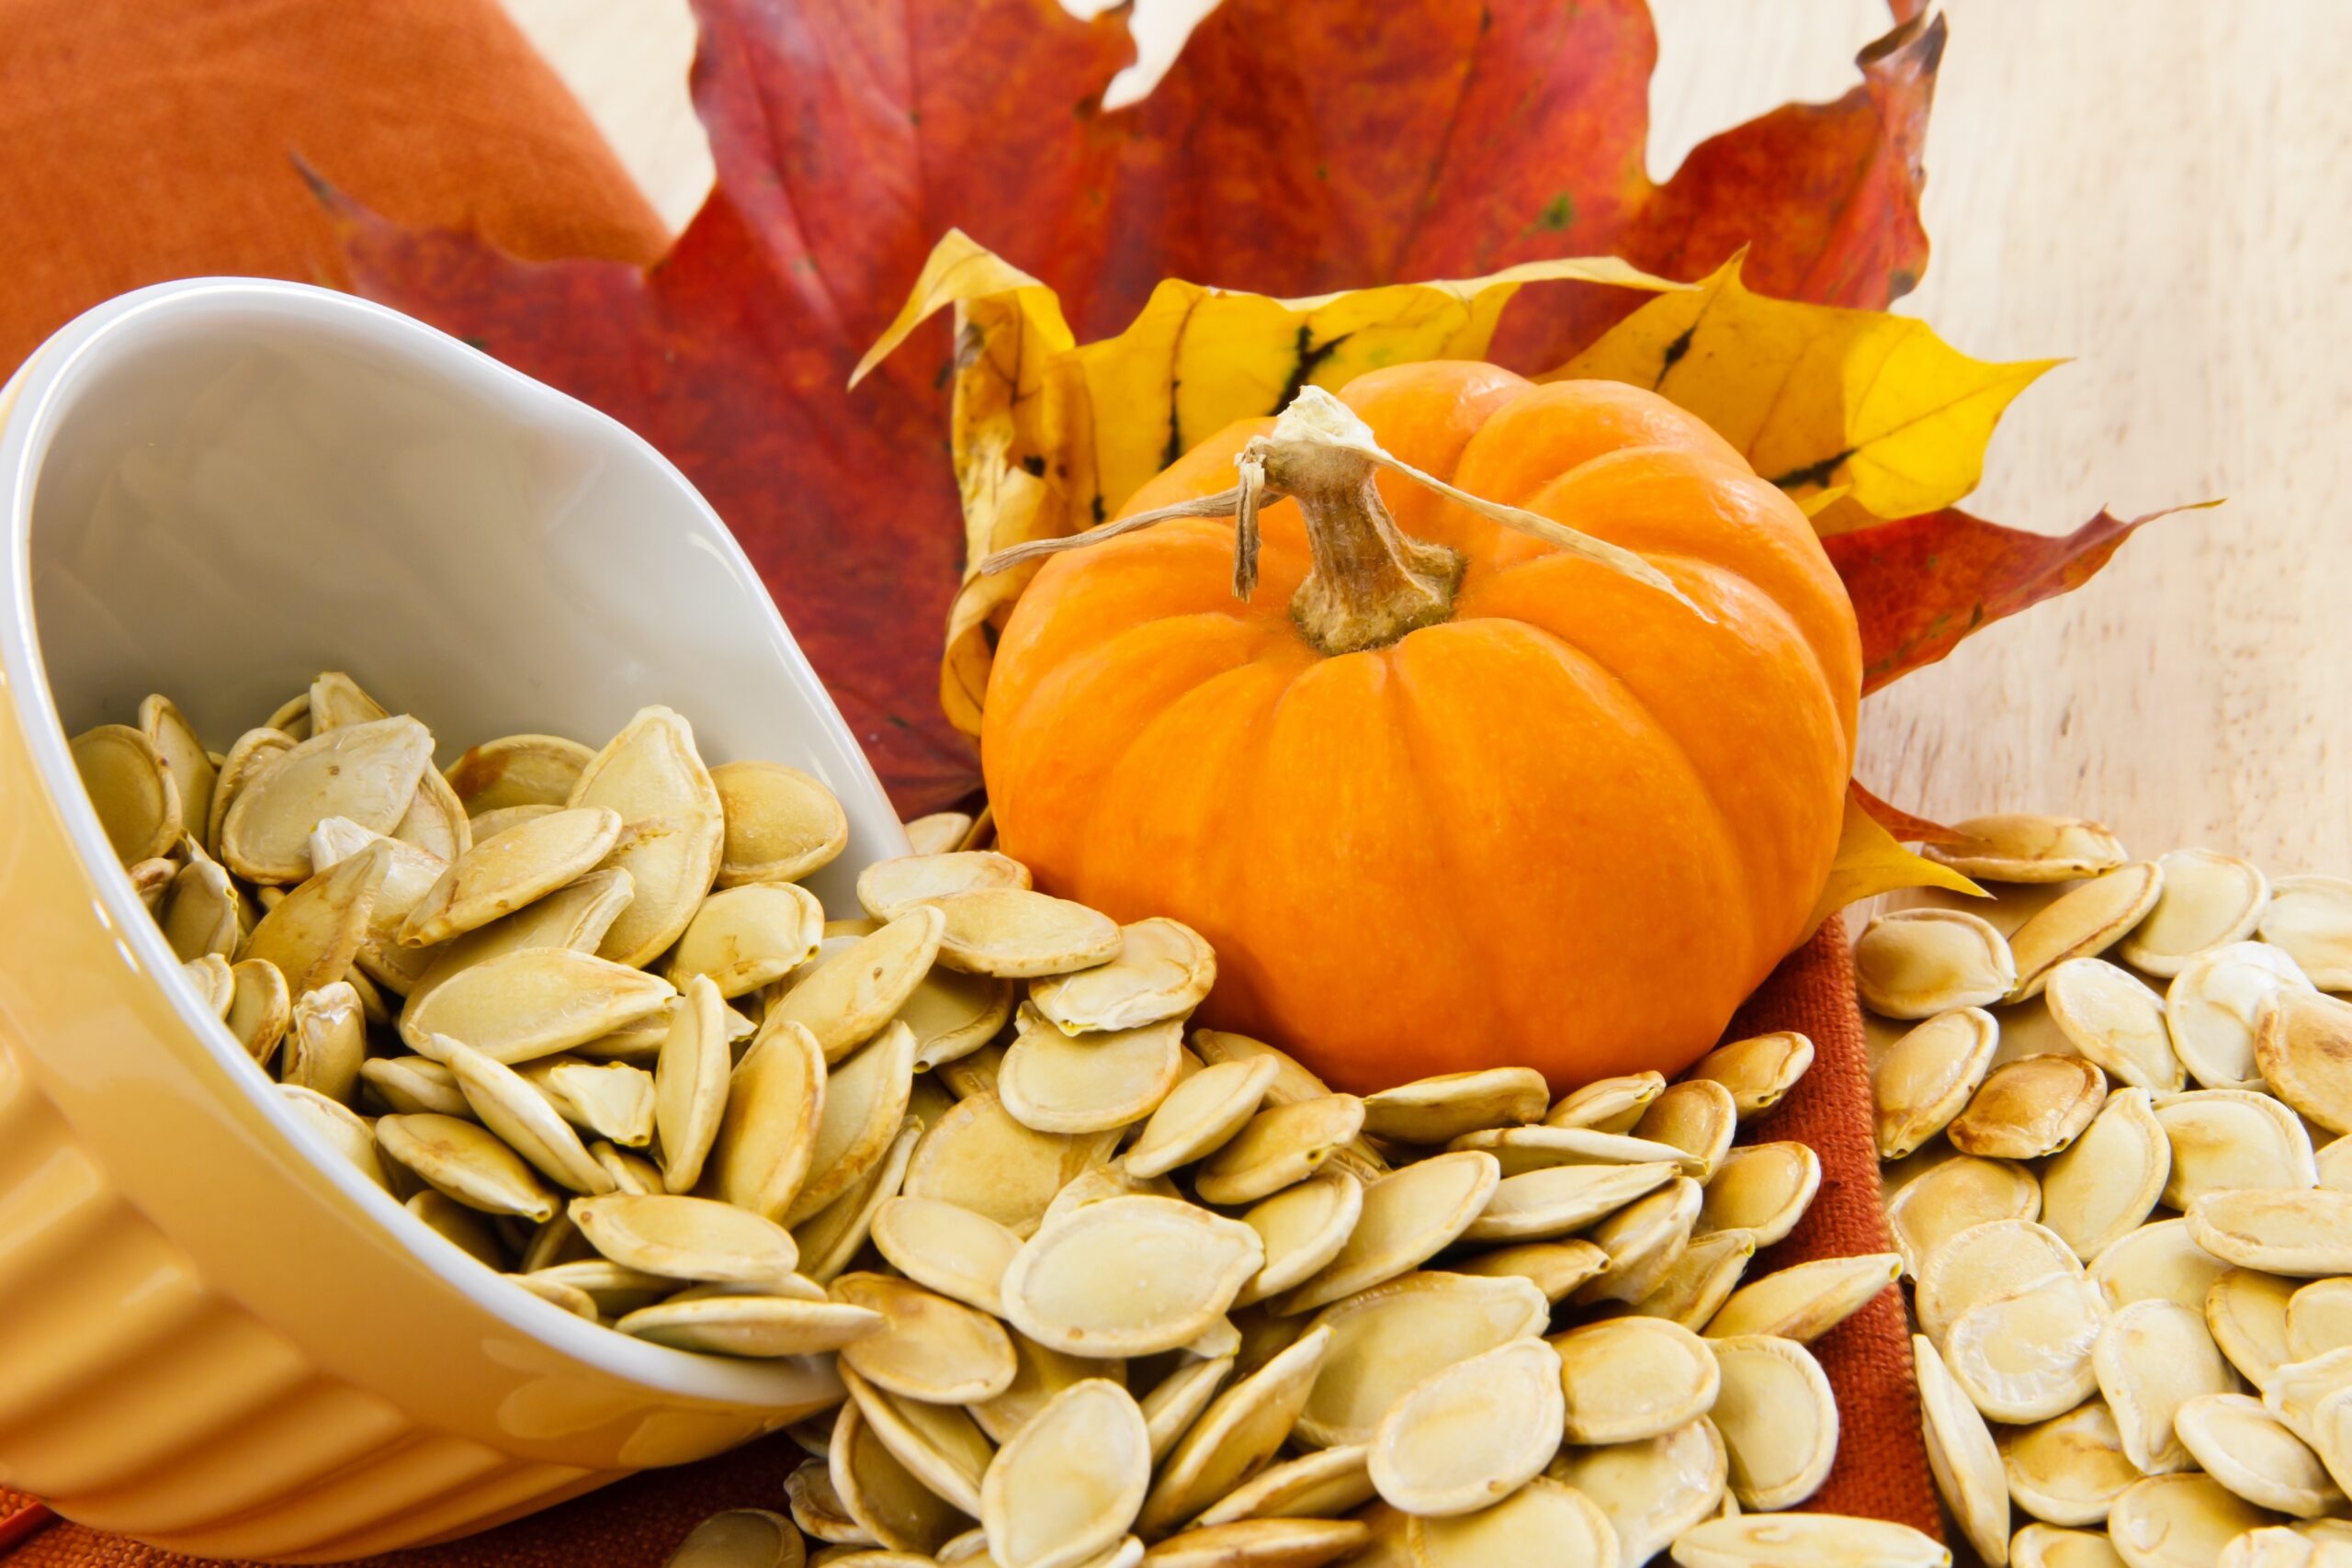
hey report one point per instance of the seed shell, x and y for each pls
(1387, 1338)
(1926, 1077)
(461, 1160)
(2176, 1521)
(930, 1348)
(2070, 1469)
(2083, 923)
(851, 995)
(534, 1001)
(1094, 1083)
(1653, 1490)
(685, 1238)
(2208, 900)
(2214, 1005)
(367, 772)
(978, 1155)
(781, 823)
(2157, 1260)
(2019, 847)
(1242, 1428)
(673, 829)
(1608, 1105)
(1470, 1435)
(1303, 1228)
(2106, 1183)
(2245, 1447)
(1763, 1189)
(2114, 1020)
(1919, 963)
(1070, 1482)
(2302, 1047)
(1954, 1195)
(2224, 1139)
(2026, 1355)
(1805, 1300)
(2296, 1233)
(2309, 918)
(747, 937)
(1806, 1540)
(1405, 1218)
(2030, 1107)
(1697, 1116)
(1436, 1111)
(523, 1119)
(1164, 970)
(1559, 1199)
(1281, 1145)
(1128, 1276)
(1199, 1115)
(1019, 934)
(1630, 1378)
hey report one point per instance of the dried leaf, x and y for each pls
(1869, 862)
(1906, 828)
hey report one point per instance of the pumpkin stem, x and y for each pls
(1372, 583)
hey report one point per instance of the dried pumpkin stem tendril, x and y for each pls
(1371, 583)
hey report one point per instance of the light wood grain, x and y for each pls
(2154, 188)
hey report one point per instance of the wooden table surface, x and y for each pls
(2154, 188)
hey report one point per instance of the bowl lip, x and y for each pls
(32, 405)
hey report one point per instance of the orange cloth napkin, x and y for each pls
(144, 140)
(1882, 1469)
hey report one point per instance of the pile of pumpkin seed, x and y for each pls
(2114, 1105)
(1100, 1290)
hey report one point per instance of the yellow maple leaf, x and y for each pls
(1870, 862)
(1818, 397)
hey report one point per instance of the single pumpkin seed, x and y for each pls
(832, 1237)
(534, 1001)
(1763, 1189)
(2226, 1139)
(2293, 1232)
(261, 1007)
(1778, 1417)
(618, 1292)
(609, 1100)
(576, 917)
(1697, 1116)
(954, 1015)
(1280, 1146)
(521, 1119)
(1557, 1268)
(816, 1507)
(338, 700)
(2214, 1005)
(848, 998)
(2085, 923)
(2302, 1047)
(555, 1294)
(152, 879)
(1292, 1083)
(930, 1348)
(2245, 1311)
(1806, 1540)
(2152, 1356)
(1919, 963)
(1200, 1116)
(409, 1085)
(1163, 971)
(938, 832)
(462, 1160)
(1404, 1219)
(740, 1538)
(1040, 1373)
(326, 1040)
(2116, 1021)
(2245, 1447)
(888, 889)
(1242, 1428)
(1070, 1482)
(2309, 918)
(341, 1128)
(2026, 1355)
(1545, 1524)
(690, 1083)
(200, 912)
(978, 1155)
(673, 829)
(1984, 1261)
(131, 790)
(685, 1238)
(885, 1497)
(315, 930)
(1317, 1485)
(1523, 1149)
(1653, 1490)
(409, 873)
(768, 1129)
(1608, 1105)
(1094, 1083)
(2030, 1107)
(2319, 1319)
(1019, 934)
(2179, 1521)
(1303, 1228)
(2274, 1546)
(1643, 1240)
(1387, 1338)
(2068, 1470)
(2019, 847)
(2157, 1260)
(1471, 1434)
(367, 772)
(1805, 1300)
(248, 755)
(435, 819)
(2104, 1185)
(1952, 1196)
(1549, 1202)
(517, 771)
(2208, 900)
(1694, 1290)
(1758, 1071)
(2334, 1162)
(506, 871)
(214, 981)
(959, 1253)
(1260, 1543)
(781, 823)
(1436, 1111)
(1178, 1399)
(1928, 1076)
(1962, 1455)
(1129, 1276)
(1630, 1378)
(177, 747)
(467, 1229)
(865, 1106)
(747, 937)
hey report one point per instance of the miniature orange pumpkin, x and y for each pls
(1443, 794)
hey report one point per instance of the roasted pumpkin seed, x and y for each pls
(2214, 1005)
(1919, 963)
(781, 823)
(1387, 1338)
(1070, 1482)
(1470, 1435)
(1608, 1105)
(1778, 1417)
(2152, 1358)
(463, 1161)
(2302, 1047)
(1128, 1276)
(1630, 1378)
(1805, 1300)
(2115, 1023)
(1763, 1189)
(2245, 1447)
(2104, 1185)
(2209, 901)
(2222, 1139)
(2175, 1521)
(851, 995)
(1952, 1196)
(2310, 919)
(1094, 1083)
(685, 1238)
(1926, 1077)
(2019, 847)
(1303, 1228)
(673, 829)
(1200, 1116)
(2026, 1355)
(1242, 1428)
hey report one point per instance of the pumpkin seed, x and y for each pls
(1954, 1195)
(865, 1106)
(576, 917)
(261, 1007)
(1806, 1540)
(767, 1131)
(2105, 1184)
(2026, 1355)
(523, 1119)
(1200, 1116)
(199, 913)
(411, 1084)
(1608, 1105)
(338, 700)
(1559, 1199)
(152, 879)
(1163, 971)
(2214, 1005)
(214, 981)
(1805, 1300)
(1926, 1077)
(461, 1160)
(2334, 1162)
(517, 770)
(2068, 1470)
(367, 773)
(1545, 1524)
(2161, 1260)
(1242, 1430)
(617, 1292)
(2273, 1546)
(1292, 1083)
(1919, 963)
(2174, 1521)
(251, 752)
(326, 1040)
(973, 1074)
(1303, 1228)
(758, 1326)
(1387, 1338)
(1643, 1240)
(2042, 1546)
(1695, 1289)
(1100, 1181)
(507, 870)
(816, 1507)
(978, 1155)
(848, 998)
(685, 1238)
(1653, 1490)
(690, 1081)
(1523, 1149)
(2019, 847)
(673, 829)
(1094, 1083)
(2115, 1023)
(534, 1001)
(885, 1498)
(435, 819)
(1697, 1116)
(2152, 1356)
(2030, 1107)
(1315, 1485)
(341, 1128)
(1128, 1276)
(1436, 1111)
(2208, 900)
(1178, 1399)
(781, 823)
(1405, 1218)
(1763, 1189)
(1557, 1268)
(610, 1099)
(1778, 1417)
(2319, 1319)
(555, 1294)
(2302, 1234)
(1280, 1146)
(2245, 1311)
(1984, 1261)
(1261, 1543)
(1468, 1435)
(1070, 1482)
(1018, 934)
(747, 937)
(465, 1228)
(938, 832)
(889, 888)
(740, 1538)
(2224, 1138)
(130, 789)
(2084, 922)
(2309, 918)
(1758, 1071)
(409, 873)
(1039, 1374)
(1630, 1378)
(954, 1015)
(316, 930)
(2302, 1047)
(2249, 1451)
(182, 753)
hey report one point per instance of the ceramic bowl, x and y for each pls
(215, 1335)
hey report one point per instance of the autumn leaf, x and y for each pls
(1904, 826)
(1870, 862)
(1297, 147)
(1817, 397)
(1921, 584)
